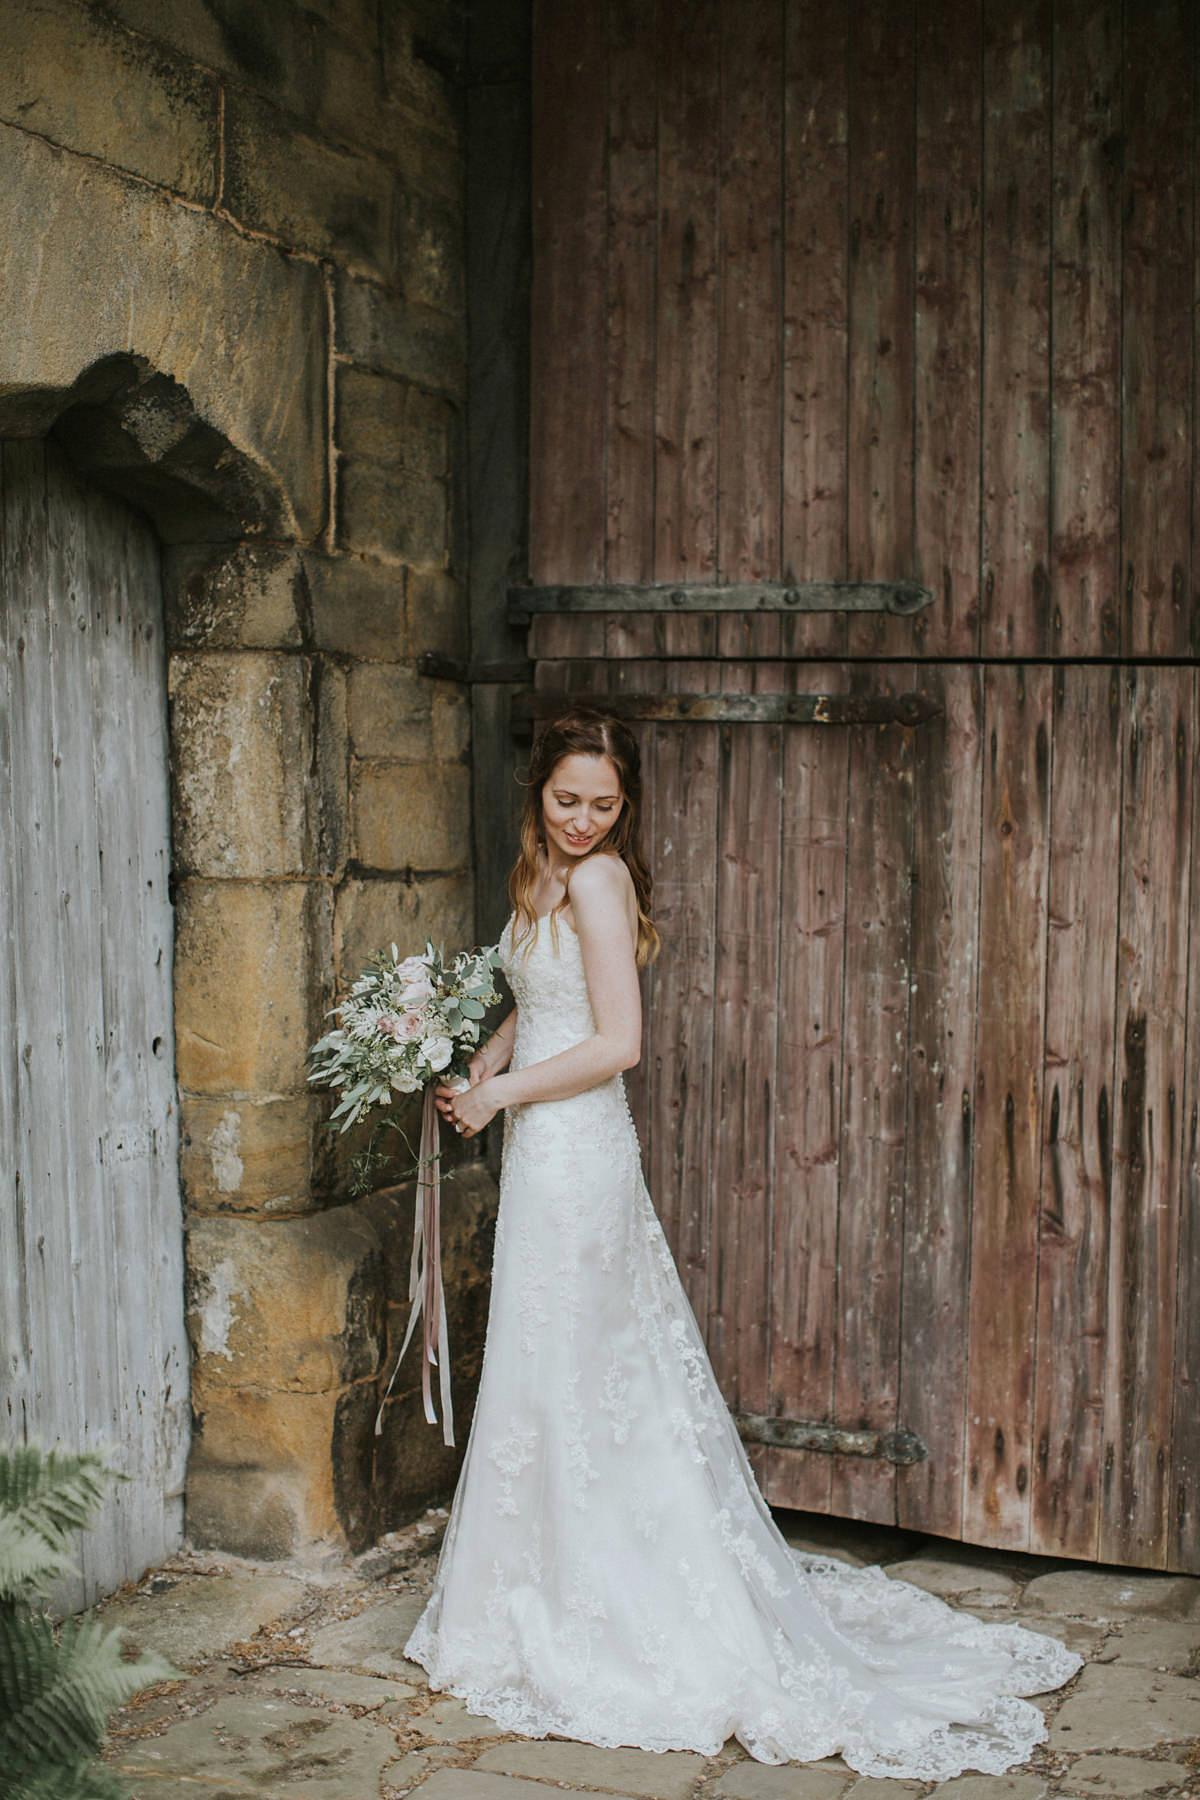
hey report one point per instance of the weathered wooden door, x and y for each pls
(91, 1263)
(920, 1095)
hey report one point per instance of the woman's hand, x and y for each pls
(468, 1109)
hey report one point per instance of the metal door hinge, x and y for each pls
(897, 1446)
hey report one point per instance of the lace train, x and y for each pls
(610, 1571)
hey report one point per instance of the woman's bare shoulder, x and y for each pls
(602, 877)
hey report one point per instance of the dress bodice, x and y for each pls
(550, 988)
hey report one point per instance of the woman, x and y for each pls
(610, 1571)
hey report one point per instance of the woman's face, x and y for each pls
(581, 803)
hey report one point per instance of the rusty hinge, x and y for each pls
(901, 597)
(740, 709)
(898, 1446)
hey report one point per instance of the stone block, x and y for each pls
(199, 302)
(760, 1781)
(373, 1640)
(451, 722)
(640, 1774)
(250, 1154)
(234, 597)
(365, 1692)
(305, 192)
(191, 1617)
(1126, 1709)
(1122, 1777)
(288, 1305)
(386, 330)
(436, 612)
(409, 77)
(430, 254)
(390, 712)
(73, 77)
(260, 1475)
(331, 776)
(242, 729)
(249, 985)
(371, 914)
(449, 1722)
(245, 1745)
(411, 815)
(874, 1788)
(359, 607)
(1172, 1645)
(1099, 1594)
(968, 1582)
(991, 1787)
(392, 513)
(369, 416)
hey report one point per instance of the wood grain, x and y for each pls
(1077, 1117)
(815, 283)
(941, 1087)
(1157, 362)
(749, 394)
(632, 290)
(1156, 811)
(686, 368)
(947, 350)
(568, 297)
(1085, 473)
(1016, 329)
(1008, 1105)
(874, 1061)
(881, 305)
(1183, 1531)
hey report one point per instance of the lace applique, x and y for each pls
(644, 1513)
(699, 1592)
(576, 1438)
(614, 1400)
(512, 1454)
(534, 1316)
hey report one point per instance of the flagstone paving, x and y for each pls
(293, 1685)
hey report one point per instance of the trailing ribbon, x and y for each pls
(427, 1299)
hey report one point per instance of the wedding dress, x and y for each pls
(610, 1571)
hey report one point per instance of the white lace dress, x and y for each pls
(610, 1571)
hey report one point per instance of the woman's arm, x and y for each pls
(601, 891)
(496, 1054)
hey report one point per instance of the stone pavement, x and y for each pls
(294, 1687)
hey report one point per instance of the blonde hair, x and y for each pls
(582, 731)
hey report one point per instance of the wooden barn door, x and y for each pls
(863, 368)
(91, 1263)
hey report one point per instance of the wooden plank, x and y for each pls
(1157, 363)
(1078, 1112)
(815, 283)
(1008, 1105)
(1183, 1541)
(1016, 325)
(685, 405)
(1085, 476)
(738, 596)
(680, 1166)
(808, 1115)
(871, 1161)
(881, 309)
(567, 301)
(632, 277)
(941, 1088)
(949, 102)
(746, 1016)
(750, 322)
(622, 674)
(867, 706)
(1156, 810)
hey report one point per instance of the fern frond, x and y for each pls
(44, 1501)
(56, 1692)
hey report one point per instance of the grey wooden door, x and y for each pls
(91, 1258)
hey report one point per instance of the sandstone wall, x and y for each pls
(231, 248)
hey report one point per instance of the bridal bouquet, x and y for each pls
(404, 1025)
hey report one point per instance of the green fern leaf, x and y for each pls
(76, 1781)
(44, 1501)
(58, 1691)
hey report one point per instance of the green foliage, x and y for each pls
(57, 1686)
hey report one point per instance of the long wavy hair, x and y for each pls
(582, 731)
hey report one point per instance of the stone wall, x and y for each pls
(231, 246)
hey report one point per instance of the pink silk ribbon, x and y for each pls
(426, 1296)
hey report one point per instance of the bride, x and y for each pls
(610, 1571)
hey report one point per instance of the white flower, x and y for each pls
(437, 1052)
(404, 1082)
